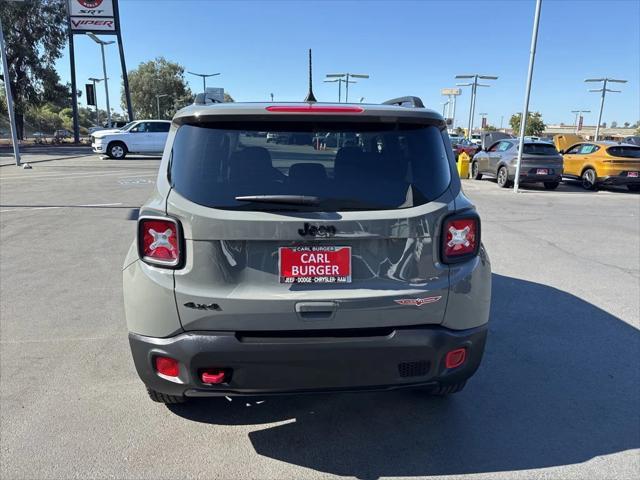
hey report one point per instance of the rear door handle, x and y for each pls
(316, 310)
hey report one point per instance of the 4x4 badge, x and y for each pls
(203, 306)
(314, 231)
(418, 302)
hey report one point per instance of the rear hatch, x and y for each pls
(301, 235)
(624, 160)
(539, 157)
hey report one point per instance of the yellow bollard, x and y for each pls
(464, 160)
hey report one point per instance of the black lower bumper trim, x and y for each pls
(406, 357)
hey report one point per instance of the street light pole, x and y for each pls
(345, 78)
(525, 109)
(158, 97)
(7, 88)
(474, 86)
(339, 81)
(102, 43)
(204, 78)
(604, 91)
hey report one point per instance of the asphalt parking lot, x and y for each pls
(557, 394)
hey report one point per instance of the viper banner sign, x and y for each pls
(95, 17)
(92, 16)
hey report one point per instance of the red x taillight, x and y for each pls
(460, 238)
(160, 241)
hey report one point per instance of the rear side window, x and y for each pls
(504, 146)
(624, 151)
(159, 127)
(588, 149)
(539, 149)
(310, 166)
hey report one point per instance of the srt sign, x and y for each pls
(91, 15)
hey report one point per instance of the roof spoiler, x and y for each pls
(204, 98)
(413, 102)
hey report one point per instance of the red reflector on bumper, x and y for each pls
(167, 366)
(213, 377)
(455, 358)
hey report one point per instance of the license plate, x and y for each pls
(326, 264)
(632, 174)
(542, 171)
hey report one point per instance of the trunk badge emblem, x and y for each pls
(418, 302)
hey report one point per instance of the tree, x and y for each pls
(35, 33)
(490, 128)
(614, 124)
(626, 124)
(460, 131)
(157, 77)
(535, 125)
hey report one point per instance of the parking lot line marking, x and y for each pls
(90, 205)
(68, 339)
(61, 175)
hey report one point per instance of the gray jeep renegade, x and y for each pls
(342, 257)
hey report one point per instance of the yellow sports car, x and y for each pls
(600, 163)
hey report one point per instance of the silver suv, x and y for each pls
(262, 267)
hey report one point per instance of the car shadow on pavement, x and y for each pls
(559, 385)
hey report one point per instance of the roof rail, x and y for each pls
(415, 102)
(204, 98)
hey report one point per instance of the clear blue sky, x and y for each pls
(408, 48)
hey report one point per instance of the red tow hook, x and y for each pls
(213, 377)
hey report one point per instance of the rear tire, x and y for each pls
(164, 398)
(588, 179)
(551, 185)
(117, 150)
(633, 188)
(503, 178)
(475, 171)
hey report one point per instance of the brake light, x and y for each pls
(159, 241)
(167, 366)
(311, 108)
(460, 239)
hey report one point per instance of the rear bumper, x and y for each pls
(293, 363)
(533, 178)
(618, 180)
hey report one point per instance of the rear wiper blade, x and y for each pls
(286, 199)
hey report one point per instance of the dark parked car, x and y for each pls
(541, 163)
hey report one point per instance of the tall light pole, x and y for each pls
(527, 95)
(204, 78)
(102, 43)
(345, 77)
(158, 97)
(7, 89)
(95, 94)
(604, 91)
(339, 81)
(474, 87)
(578, 113)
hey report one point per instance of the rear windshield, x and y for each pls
(626, 151)
(310, 166)
(539, 149)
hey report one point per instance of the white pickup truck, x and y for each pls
(141, 136)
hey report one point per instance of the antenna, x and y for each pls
(310, 96)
